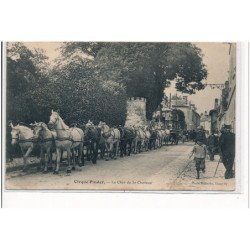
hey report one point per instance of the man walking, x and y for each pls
(212, 145)
(199, 152)
(227, 150)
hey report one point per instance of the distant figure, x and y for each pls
(227, 150)
(216, 132)
(184, 136)
(199, 152)
(212, 145)
(193, 135)
(207, 134)
(201, 136)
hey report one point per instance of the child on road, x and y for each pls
(199, 152)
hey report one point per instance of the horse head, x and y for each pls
(11, 124)
(101, 125)
(104, 127)
(121, 129)
(15, 132)
(38, 128)
(54, 117)
(89, 124)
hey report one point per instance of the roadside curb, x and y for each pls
(18, 168)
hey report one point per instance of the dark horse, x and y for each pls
(92, 137)
(153, 138)
(174, 138)
(127, 138)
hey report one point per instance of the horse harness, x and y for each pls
(32, 139)
(109, 133)
(67, 138)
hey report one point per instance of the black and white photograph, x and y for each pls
(135, 116)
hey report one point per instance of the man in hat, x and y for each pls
(227, 150)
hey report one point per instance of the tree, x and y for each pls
(24, 76)
(74, 81)
(145, 68)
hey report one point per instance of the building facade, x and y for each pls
(213, 113)
(227, 107)
(192, 118)
(205, 121)
(136, 111)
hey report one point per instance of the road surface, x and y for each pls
(167, 168)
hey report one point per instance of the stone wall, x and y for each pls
(136, 112)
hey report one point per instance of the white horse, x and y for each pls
(24, 137)
(45, 139)
(167, 136)
(160, 135)
(112, 138)
(140, 138)
(66, 139)
(147, 137)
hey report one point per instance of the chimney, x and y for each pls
(216, 103)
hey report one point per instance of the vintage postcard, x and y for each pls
(136, 116)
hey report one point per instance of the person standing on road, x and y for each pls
(199, 152)
(212, 145)
(227, 150)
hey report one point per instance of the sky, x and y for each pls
(216, 58)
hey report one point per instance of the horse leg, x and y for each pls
(111, 149)
(68, 156)
(121, 148)
(135, 149)
(95, 152)
(83, 160)
(117, 148)
(50, 156)
(88, 151)
(126, 147)
(80, 154)
(25, 158)
(46, 160)
(92, 151)
(102, 150)
(130, 147)
(107, 149)
(58, 160)
(42, 156)
(74, 159)
(140, 146)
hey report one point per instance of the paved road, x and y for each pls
(162, 169)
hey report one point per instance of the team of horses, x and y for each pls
(89, 140)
